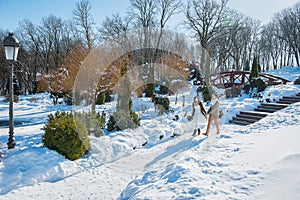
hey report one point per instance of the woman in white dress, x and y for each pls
(198, 115)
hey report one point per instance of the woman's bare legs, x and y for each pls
(208, 125)
(216, 120)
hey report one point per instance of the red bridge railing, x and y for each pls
(239, 78)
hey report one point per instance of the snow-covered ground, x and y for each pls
(259, 161)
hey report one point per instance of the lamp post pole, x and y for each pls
(11, 140)
(11, 48)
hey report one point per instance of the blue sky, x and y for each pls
(13, 11)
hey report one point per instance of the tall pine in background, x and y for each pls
(247, 66)
(254, 70)
(258, 65)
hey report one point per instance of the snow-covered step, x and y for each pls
(285, 102)
(274, 105)
(267, 110)
(249, 116)
(239, 122)
(245, 119)
(260, 114)
(297, 99)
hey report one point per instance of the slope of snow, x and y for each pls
(237, 166)
(254, 162)
(290, 73)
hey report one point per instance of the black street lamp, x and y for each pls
(11, 48)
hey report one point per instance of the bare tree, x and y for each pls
(166, 9)
(271, 43)
(84, 20)
(51, 30)
(289, 22)
(207, 19)
(70, 37)
(152, 17)
(32, 41)
(143, 13)
(117, 29)
(3, 64)
(279, 39)
(243, 35)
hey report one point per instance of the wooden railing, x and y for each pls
(239, 78)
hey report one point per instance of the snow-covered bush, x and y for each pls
(258, 83)
(247, 88)
(121, 120)
(100, 99)
(297, 81)
(66, 134)
(68, 99)
(161, 103)
(205, 91)
(94, 122)
(233, 92)
(163, 90)
(104, 98)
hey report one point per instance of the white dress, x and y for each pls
(198, 118)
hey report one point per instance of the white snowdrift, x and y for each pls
(259, 161)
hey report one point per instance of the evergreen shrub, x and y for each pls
(233, 92)
(108, 97)
(259, 84)
(247, 88)
(121, 120)
(161, 103)
(66, 134)
(101, 99)
(163, 90)
(94, 122)
(297, 81)
(205, 91)
(68, 99)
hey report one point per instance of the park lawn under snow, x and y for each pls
(259, 161)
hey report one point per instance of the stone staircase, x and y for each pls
(249, 117)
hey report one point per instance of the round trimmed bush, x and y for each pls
(163, 89)
(161, 103)
(108, 97)
(247, 88)
(67, 135)
(121, 120)
(297, 81)
(95, 123)
(259, 84)
(101, 99)
(206, 94)
(232, 92)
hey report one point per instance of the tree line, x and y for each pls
(53, 50)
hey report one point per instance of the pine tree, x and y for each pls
(254, 70)
(258, 65)
(247, 66)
